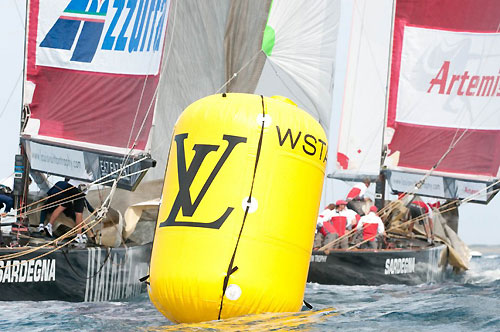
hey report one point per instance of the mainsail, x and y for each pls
(437, 115)
(360, 88)
(92, 72)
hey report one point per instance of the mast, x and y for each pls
(381, 181)
(21, 166)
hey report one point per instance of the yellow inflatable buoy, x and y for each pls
(238, 211)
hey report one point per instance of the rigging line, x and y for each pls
(63, 200)
(283, 81)
(11, 94)
(163, 69)
(90, 184)
(390, 207)
(54, 241)
(66, 199)
(155, 94)
(137, 111)
(230, 268)
(48, 252)
(19, 13)
(369, 44)
(68, 234)
(239, 71)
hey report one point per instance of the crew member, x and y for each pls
(422, 212)
(340, 221)
(6, 200)
(356, 199)
(372, 229)
(325, 215)
(66, 196)
(358, 191)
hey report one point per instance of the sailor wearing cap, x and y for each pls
(340, 220)
(372, 228)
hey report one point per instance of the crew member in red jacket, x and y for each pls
(358, 191)
(372, 229)
(341, 219)
(323, 217)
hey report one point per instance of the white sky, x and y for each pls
(479, 224)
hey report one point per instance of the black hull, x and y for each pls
(377, 267)
(74, 274)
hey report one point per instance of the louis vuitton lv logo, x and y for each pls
(186, 177)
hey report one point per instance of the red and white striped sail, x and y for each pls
(444, 95)
(92, 71)
(444, 88)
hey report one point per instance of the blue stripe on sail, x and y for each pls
(61, 35)
(87, 43)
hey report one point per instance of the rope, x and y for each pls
(239, 71)
(70, 233)
(441, 209)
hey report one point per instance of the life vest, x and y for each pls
(369, 231)
(334, 225)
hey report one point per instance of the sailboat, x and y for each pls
(90, 85)
(417, 108)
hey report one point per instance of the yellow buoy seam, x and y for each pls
(230, 268)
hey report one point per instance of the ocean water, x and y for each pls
(469, 302)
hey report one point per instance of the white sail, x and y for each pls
(360, 89)
(300, 44)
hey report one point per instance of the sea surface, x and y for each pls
(470, 302)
